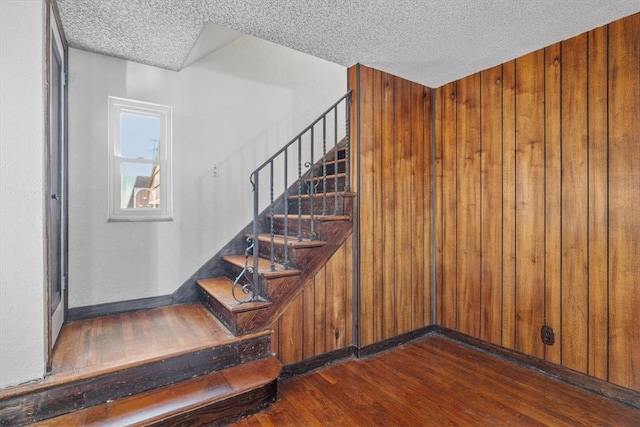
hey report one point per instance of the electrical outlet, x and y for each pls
(215, 171)
(548, 335)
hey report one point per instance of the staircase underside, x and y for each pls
(148, 368)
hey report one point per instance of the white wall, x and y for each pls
(22, 274)
(234, 108)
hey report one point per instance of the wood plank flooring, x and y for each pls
(436, 382)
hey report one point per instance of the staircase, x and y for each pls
(230, 370)
(298, 248)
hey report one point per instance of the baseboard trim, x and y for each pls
(307, 365)
(396, 341)
(89, 311)
(586, 382)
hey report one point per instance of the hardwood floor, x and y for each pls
(436, 382)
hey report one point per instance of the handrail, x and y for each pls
(330, 113)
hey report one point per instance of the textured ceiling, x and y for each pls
(428, 41)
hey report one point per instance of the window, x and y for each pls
(140, 161)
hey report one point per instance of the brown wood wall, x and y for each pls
(538, 203)
(393, 148)
(319, 320)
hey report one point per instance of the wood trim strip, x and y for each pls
(388, 343)
(106, 309)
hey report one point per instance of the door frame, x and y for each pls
(53, 25)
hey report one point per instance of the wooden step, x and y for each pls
(264, 267)
(221, 395)
(292, 241)
(221, 289)
(321, 218)
(110, 357)
(216, 295)
(319, 195)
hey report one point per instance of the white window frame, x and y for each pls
(118, 106)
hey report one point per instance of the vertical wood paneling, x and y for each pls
(598, 195)
(574, 338)
(449, 291)
(509, 205)
(378, 238)
(388, 196)
(309, 319)
(624, 201)
(560, 158)
(553, 200)
(318, 312)
(336, 317)
(468, 205)
(366, 199)
(320, 319)
(439, 204)
(491, 206)
(428, 178)
(529, 202)
(395, 213)
(419, 240)
(291, 333)
(403, 203)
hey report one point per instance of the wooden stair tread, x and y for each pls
(170, 401)
(264, 267)
(292, 241)
(320, 195)
(220, 289)
(293, 217)
(329, 177)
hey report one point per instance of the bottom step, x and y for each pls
(206, 400)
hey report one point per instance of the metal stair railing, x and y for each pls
(304, 145)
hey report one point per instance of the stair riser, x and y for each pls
(295, 254)
(222, 413)
(331, 168)
(232, 271)
(305, 206)
(330, 184)
(304, 227)
(68, 397)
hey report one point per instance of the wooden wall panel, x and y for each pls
(553, 199)
(574, 165)
(468, 205)
(320, 319)
(529, 202)
(624, 201)
(598, 219)
(560, 173)
(491, 206)
(448, 223)
(395, 172)
(508, 205)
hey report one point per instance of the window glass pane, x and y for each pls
(139, 136)
(140, 186)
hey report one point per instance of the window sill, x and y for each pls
(140, 219)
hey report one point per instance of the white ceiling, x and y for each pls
(427, 41)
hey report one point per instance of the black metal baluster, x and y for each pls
(272, 265)
(300, 189)
(324, 165)
(336, 169)
(257, 285)
(312, 189)
(286, 210)
(347, 166)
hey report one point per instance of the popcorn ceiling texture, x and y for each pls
(430, 42)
